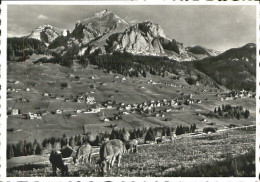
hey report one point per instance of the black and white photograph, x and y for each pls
(130, 90)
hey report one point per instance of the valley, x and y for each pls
(47, 78)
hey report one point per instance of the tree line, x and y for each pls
(19, 49)
(24, 148)
(231, 112)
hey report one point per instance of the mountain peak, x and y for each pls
(103, 17)
(47, 33)
(102, 13)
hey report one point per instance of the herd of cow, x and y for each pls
(109, 152)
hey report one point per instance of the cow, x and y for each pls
(109, 152)
(56, 161)
(83, 154)
(131, 146)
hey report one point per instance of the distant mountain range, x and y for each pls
(105, 33)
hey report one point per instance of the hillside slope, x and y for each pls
(235, 68)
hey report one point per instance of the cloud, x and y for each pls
(43, 17)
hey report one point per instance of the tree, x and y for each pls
(44, 143)
(38, 149)
(177, 132)
(10, 152)
(52, 140)
(164, 132)
(63, 142)
(113, 135)
(168, 132)
(98, 140)
(144, 73)
(18, 149)
(181, 130)
(149, 135)
(72, 142)
(133, 135)
(247, 114)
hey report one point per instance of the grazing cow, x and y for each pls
(131, 146)
(56, 161)
(83, 154)
(67, 151)
(109, 152)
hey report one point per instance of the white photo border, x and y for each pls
(3, 58)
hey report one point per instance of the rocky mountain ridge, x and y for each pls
(48, 33)
(107, 32)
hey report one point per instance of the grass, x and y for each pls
(229, 153)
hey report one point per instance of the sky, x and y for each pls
(215, 27)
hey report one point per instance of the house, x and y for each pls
(116, 117)
(120, 108)
(110, 102)
(71, 75)
(58, 111)
(204, 120)
(109, 107)
(78, 111)
(135, 105)
(96, 110)
(167, 110)
(90, 100)
(106, 120)
(125, 113)
(102, 118)
(123, 79)
(93, 86)
(27, 89)
(39, 116)
(31, 115)
(157, 115)
(128, 107)
(15, 112)
(151, 105)
(80, 99)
